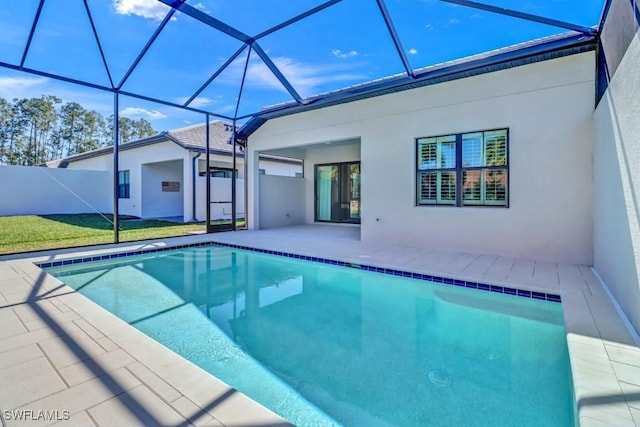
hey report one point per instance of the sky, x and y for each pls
(345, 44)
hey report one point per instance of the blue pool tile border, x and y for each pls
(427, 277)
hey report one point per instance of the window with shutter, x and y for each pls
(436, 170)
(468, 169)
(123, 184)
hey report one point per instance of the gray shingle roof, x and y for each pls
(194, 136)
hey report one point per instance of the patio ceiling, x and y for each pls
(248, 61)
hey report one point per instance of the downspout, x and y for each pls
(246, 186)
(234, 176)
(193, 186)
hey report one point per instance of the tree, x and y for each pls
(106, 131)
(91, 122)
(7, 119)
(142, 129)
(36, 130)
(129, 129)
(17, 125)
(40, 116)
(70, 128)
(126, 128)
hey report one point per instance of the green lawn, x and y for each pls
(32, 232)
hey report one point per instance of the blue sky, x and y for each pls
(342, 45)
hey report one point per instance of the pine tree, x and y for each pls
(36, 130)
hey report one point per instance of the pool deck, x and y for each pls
(61, 352)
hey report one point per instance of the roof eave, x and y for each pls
(160, 137)
(199, 149)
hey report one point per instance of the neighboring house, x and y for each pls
(163, 176)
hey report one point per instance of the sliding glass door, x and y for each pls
(338, 192)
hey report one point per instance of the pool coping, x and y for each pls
(155, 386)
(604, 356)
(524, 293)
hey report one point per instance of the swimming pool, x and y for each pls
(323, 344)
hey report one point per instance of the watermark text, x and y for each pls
(36, 415)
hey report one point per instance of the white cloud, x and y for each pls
(20, 87)
(341, 54)
(453, 21)
(202, 7)
(413, 51)
(150, 9)
(428, 27)
(201, 101)
(135, 113)
(306, 79)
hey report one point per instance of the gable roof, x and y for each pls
(192, 138)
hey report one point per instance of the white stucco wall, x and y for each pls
(272, 167)
(219, 161)
(35, 190)
(220, 192)
(141, 203)
(282, 201)
(157, 203)
(132, 160)
(617, 185)
(220, 189)
(98, 163)
(548, 109)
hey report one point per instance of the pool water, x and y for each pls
(327, 345)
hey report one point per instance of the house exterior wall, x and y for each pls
(548, 109)
(157, 203)
(226, 162)
(98, 163)
(272, 167)
(132, 160)
(146, 163)
(617, 184)
(29, 190)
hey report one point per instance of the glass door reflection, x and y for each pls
(337, 192)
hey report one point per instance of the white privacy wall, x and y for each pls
(617, 185)
(28, 190)
(282, 201)
(548, 108)
(221, 206)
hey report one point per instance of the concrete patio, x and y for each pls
(61, 352)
